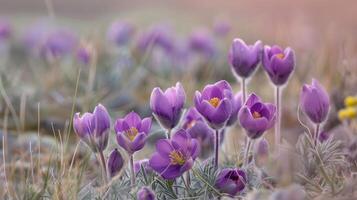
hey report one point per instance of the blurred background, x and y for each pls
(58, 53)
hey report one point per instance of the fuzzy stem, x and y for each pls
(168, 133)
(278, 114)
(246, 154)
(244, 89)
(316, 136)
(216, 149)
(104, 173)
(132, 175)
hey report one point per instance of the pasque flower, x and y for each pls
(256, 117)
(244, 58)
(202, 42)
(167, 106)
(315, 102)
(59, 43)
(145, 193)
(176, 156)
(215, 103)
(120, 32)
(115, 163)
(5, 30)
(132, 132)
(195, 125)
(236, 106)
(93, 128)
(231, 181)
(278, 63)
(85, 53)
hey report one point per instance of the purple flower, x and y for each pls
(167, 106)
(323, 136)
(256, 117)
(132, 132)
(5, 30)
(176, 156)
(93, 128)
(278, 63)
(145, 193)
(221, 28)
(195, 125)
(231, 181)
(58, 43)
(202, 42)
(243, 58)
(236, 106)
(158, 36)
(84, 54)
(215, 103)
(315, 102)
(120, 33)
(115, 163)
(144, 163)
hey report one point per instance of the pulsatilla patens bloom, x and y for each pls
(93, 128)
(315, 102)
(145, 193)
(278, 63)
(244, 58)
(256, 117)
(231, 181)
(215, 103)
(132, 132)
(176, 156)
(195, 125)
(167, 106)
(115, 163)
(236, 106)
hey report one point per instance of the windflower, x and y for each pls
(145, 193)
(243, 58)
(214, 103)
(167, 106)
(256, 117)
(132, 132)
(231, 181)
(93, 128)
(120, 33)
(115, 163)
(278, 63)
(175, 156)
(315, 102)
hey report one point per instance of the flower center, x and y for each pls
(256, 115)
(131, 133)
(177, 158)
(214, 101)
(280, 55)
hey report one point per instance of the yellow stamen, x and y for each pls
(177, 158)
(214, 102)
(131, 133)
(350, 101)
(280, 55)
(256, 115)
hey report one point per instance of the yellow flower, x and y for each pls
(350, 101)
(347, 113)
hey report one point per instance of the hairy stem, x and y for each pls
(104, 167)
(246, 154)
(132, 172)
(244, 89)
(278, 120)
(216, 149)
(168, 133)
(316, 136)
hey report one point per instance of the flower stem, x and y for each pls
(132, 172)
(104, 167)
(168, 133)
(244, 90)
(316, 136)
(216, 149)
(278, 120)
(246, 154)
